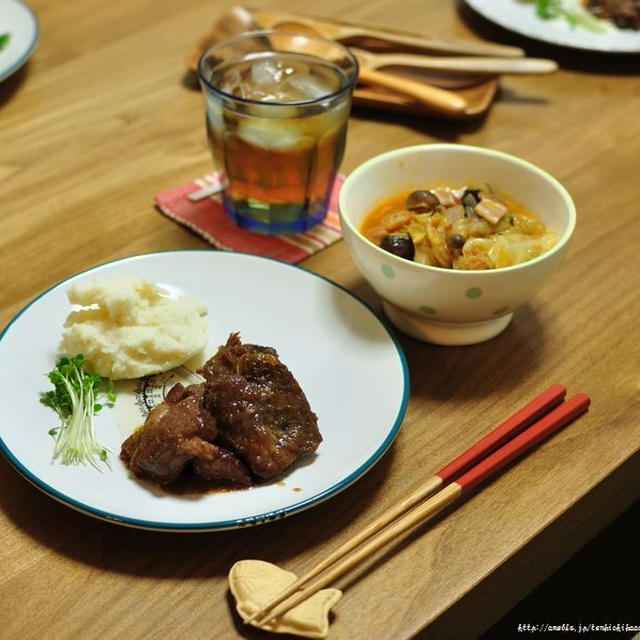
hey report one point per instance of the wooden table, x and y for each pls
(99, 121)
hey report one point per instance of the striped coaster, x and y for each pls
(198, 206)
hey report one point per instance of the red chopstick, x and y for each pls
(562, 415)
(535, 421)
(513, 425)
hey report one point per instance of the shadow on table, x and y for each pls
(459, 373)
(10, 85)
(591, 62)
(441, 129)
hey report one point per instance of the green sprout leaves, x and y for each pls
(76, 397)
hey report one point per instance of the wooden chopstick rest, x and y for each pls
(251, 581)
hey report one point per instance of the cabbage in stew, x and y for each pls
(457, 228)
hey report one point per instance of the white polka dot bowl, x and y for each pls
(447, 306)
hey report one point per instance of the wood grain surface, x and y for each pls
(102, 118)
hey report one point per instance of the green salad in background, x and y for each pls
(552, 9)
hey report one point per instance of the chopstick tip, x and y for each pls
(582, 399)
(560, 388)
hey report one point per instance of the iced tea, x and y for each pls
(276, 123)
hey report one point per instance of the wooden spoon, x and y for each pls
(464, 65)
(340, 31)
(435, 98)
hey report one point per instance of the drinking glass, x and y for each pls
(277, 105)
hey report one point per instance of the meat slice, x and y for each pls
(222, 465)
(175, 432)
(261, 412)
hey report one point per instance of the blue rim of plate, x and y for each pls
(262, 518)
(32, 45)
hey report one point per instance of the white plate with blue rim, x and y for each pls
(573, 27)
(18, 36)
(344, 356)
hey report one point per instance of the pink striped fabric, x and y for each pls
(204, 215)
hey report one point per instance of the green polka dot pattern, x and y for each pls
(473, 292)
(388, 271)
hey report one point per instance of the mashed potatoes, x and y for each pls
(129, 327)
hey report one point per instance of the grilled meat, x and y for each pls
(250, 416)
(261, 412)
(177, 431)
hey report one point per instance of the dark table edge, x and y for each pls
(519, 575)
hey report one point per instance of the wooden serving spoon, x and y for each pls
(435, 98)
(463, 65)
(341, 31)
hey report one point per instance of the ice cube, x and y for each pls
(304, 86)
(232, 83)
(266, 72)
(277, 135)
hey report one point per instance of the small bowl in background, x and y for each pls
(447, 306)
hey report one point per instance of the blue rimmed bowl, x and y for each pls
(446, 306)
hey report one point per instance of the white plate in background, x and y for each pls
(520, 16)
